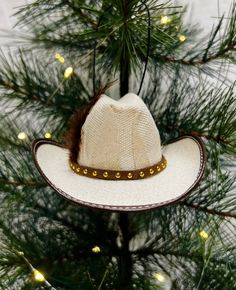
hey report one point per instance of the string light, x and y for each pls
(203, 235)
(38, 276)
(59, 57)
(182, 38)
(84, 57)
(68, 72)
(48, 135)
(22, 136)
(159, 277)
(96, 249)
(165, 20)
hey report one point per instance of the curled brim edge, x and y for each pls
(186, 158)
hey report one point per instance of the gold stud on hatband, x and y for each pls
(95, 173)
(151, 171)
(85, 171)
(117, 175)
(141, 174)
(105, 174)
(129, 175)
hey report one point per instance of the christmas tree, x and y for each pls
(69, 50)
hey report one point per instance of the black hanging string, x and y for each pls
(147, 55)
(148, 46)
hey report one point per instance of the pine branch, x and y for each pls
(80, 13)
(79, 35)
(218, 139)
(26, 80)
(219, 55)
(209, 210)
(21, 93)
(216, 47)
(20, 183)
(208, 112)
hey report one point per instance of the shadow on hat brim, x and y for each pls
(186, 159)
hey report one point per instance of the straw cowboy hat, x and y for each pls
(116, 162)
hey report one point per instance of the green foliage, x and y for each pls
(106, 40)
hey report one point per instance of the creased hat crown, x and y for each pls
(119, 135)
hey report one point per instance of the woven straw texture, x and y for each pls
(119, 135)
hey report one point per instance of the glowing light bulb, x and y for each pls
(96, 249)
(21, 253)
(59, 57)
(159, 277)
(48, 135)
(22, 136)
(203, 234)
(182, 38)
(38, 276)
(68, 72)
(165, 20)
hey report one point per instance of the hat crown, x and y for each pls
(119, 135)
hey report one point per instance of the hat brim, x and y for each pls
(186, 163)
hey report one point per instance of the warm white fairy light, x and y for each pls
(203, 235)
(59, 57)
(75, 65)
(159, 277)
(182, 38)
(38, 276)
(96, 249)
(68, 72)
(48, 135)
(22, 136)
(165, 20)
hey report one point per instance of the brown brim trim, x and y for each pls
(37, 143)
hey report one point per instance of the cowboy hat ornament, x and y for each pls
(114, 159)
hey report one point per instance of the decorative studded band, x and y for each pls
(119, 174)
